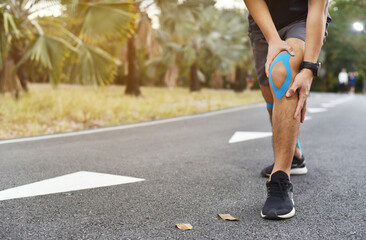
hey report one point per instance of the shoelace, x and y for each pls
(278, 189)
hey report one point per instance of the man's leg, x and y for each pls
(279, 203)
(285, 127)
(298, 161)
(267, 95)
(260, 49)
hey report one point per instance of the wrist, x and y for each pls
(274, 39)
(314, 67)
(309, 73)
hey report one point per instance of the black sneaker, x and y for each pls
(297, 167)
(279, 203)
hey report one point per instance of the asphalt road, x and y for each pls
(191, 174)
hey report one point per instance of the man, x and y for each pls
(249, 80)
(287, 37)
(343, 80)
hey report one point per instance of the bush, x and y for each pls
(359, 81)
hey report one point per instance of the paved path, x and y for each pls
(191, 174)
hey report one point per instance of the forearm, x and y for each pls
(315, 28)
(260, 12)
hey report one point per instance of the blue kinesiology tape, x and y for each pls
(269, 105)
(284, 57)
(298, 145)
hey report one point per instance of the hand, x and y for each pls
(274, 48)
(302, 84)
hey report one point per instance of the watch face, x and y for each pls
(319, 68)
(314, 67)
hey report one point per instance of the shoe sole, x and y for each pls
(299, 171)
(277, 217)
(294, 171)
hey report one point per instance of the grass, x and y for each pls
(46, 110)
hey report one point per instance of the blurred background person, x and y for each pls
(352, 82)
(343, 80)
(249, 80)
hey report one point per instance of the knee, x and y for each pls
(278, 74)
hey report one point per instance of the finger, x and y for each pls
(303, 112)
(270, 59)
(290, 50)
(267, 69)
(268, 64)
(300, 105)
(292, 89)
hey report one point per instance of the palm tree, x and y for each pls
(144, 39)
(201, 38)
(180, 21)
(69, 46)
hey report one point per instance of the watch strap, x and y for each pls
(312, 66)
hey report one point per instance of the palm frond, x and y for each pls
(107, 20)
(39, 5)
(49, 53)
(9, 30)
(93, 65)
(10, 25)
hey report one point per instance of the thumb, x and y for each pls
(290, 50)
(292, 90)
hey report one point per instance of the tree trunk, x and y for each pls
(216, 80)
(238, 84)
(171, 77)
(195, 84)
(9, 81)
(133, 84)
(17, 53)
(23, 80)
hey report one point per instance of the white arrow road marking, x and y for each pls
(245, 136)
(70, 182)
(316, 110)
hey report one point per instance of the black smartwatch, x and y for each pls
(315, 67)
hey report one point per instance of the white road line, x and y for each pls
(336, 102)
(128, 126)
(246, 136)
(342, 100)
(316, 110)
(152, 123)
(67, 183)
(327, 105)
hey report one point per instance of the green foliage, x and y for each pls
(84, 42)
(196, 32)
(105, 20)
(360, 81)
(48, 51)
(8, 31)
(345, 48)
(69, 46)
(93, 66)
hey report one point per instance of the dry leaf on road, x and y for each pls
(228, 217)
(184, 226)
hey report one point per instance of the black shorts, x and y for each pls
(260, 47)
